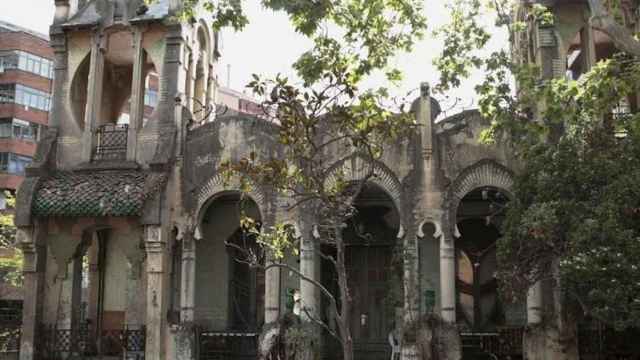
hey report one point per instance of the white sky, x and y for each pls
(268, 46)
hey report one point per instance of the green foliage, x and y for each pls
(11, 262)
(575, 215)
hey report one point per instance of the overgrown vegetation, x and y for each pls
(574, 218)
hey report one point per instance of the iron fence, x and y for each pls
(81, 343)
(214, 345)
(111, 142)
(502, 343)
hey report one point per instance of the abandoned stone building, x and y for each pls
(124, 227)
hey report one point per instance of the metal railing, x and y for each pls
(504, 342)
(229, 345)
(111, 142)
(62, 344)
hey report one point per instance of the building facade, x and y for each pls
(124, 227)
(26, 74)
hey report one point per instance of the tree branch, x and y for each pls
(621, 36)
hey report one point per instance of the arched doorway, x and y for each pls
(483, 317)
(229, 293)
(374, 270)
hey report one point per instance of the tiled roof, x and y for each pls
(100, 193)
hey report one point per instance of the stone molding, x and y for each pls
(356, 168)
(483, 173)
(218, 184)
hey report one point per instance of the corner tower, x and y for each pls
(95, 211)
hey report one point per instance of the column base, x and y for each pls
(547, 343)
(431, 338)
(185, 341)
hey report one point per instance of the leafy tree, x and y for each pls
(328, 113)
(10, 266)
(574, 216)
(11, 263)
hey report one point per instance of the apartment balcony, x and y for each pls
(111, 142)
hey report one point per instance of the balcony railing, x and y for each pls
(111, 142)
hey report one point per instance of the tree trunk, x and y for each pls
(564, 335)
(621, 36)
(345, 296)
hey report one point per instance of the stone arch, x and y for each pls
(483, 173)
(356, 168)
(218, 184)
(202, 30)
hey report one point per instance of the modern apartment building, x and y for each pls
(26, 73)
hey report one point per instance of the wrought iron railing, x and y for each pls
(215, 345)
(504, 342)
(63, 344)
(111, 142)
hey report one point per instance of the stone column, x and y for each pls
(187, 280)
(410, 279)
(589, 46)
(448, 279)
(308, 291)
(62, 11)
(190, 85)
(534, 304)
(271, 292)
(137, 93)
(94, 94)
(155, 246)
(33, 288)
(134, 316)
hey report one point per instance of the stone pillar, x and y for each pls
(33, 288)
(448, 280)
(94, 281)
(188, 279)
(534, 304)
(62, 11)
(134, 316)
(589, 46)
(94, 94)
(137, 93)
(271, 292)
(65, 300)
(155, 246)
(308, 291)
(190, 84)
(410, 279)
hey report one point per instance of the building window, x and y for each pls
(26, 62)
(24, 95)
(14, 163)
(18, 129)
